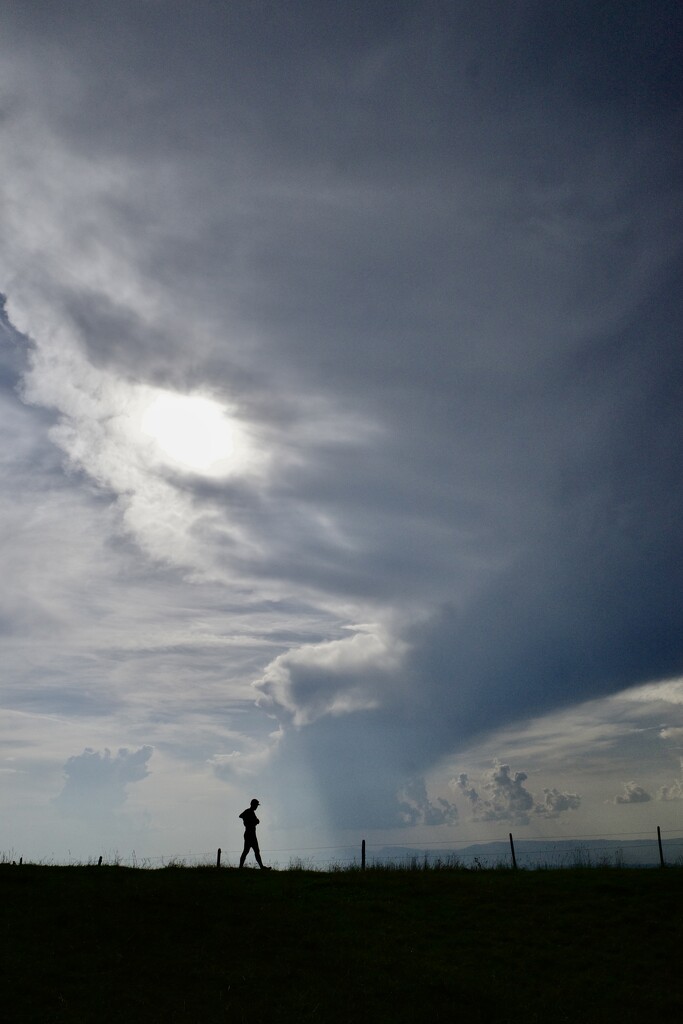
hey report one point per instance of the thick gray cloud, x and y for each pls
(429, 256)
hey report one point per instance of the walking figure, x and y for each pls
(250, 841)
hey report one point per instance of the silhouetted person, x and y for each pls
(250, 841)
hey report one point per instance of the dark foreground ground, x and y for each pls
(92, 945)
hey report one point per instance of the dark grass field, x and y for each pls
(105, 944)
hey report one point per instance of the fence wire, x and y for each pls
(531, 851)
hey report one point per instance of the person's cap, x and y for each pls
(255, 801)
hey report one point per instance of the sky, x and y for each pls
(340, 403)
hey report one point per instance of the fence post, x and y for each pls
(218, 858)
(512, 851)
(661, 851)
(99, 862)
(362, 856)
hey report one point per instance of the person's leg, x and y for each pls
(245, 851)
(257, 852)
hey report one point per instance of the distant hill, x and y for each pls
(560, 853)
(541, 853)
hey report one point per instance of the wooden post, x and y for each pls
(512, 850)
(218, 858)
(362, 856)
(99, 863)
(661, 851)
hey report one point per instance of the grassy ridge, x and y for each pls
(86, 944)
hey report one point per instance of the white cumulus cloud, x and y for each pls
(502, 796)
(417, 808)
(333, 678)
(96, 781)
(554, 803)
(674, 791)
(633, 794)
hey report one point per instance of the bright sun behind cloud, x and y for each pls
(194, 432)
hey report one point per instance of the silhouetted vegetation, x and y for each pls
(198, 945)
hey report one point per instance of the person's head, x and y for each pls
(254, 804)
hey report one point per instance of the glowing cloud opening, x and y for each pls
(194, 432)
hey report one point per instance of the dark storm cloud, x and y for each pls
(458, 227)
(406, 198)
(588, 605)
